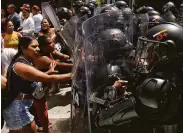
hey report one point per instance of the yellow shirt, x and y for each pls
(11, 40)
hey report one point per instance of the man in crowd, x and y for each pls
(27, 27)
(20, 14)
(14, 17)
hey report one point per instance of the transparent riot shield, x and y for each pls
(180, 16)
(107, 60)
(78, 102)
(142, 24)
(68, 31)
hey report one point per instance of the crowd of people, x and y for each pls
(32, 63)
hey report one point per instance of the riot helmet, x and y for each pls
(84, 10)
(78, 4)
(93, 2)
(151, 13)
(106, 5)
(161, 44)
(108, 9)
(157, 102)
(91, 6)
(121, 4)
(127, 12)
(144, 9)
(168, 6)
(63, 12)
(114, 43)
(155, 20)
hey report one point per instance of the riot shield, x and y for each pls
(180, 16)
(69, 30)
(78, 102)
(106, 62)
(142, 24)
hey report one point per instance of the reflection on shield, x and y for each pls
(148, 54)
(78, 103)
(96, 62)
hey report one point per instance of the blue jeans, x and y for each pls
(17, 115)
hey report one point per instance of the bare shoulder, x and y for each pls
(40, 34)
(42, 62)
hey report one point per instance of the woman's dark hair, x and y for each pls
(6, 23)
(51, 25)
(43, 42)
(24, 42)
(36, 8)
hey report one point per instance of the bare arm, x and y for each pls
(40, 34)
(60, 55)
(44, 63)
(3, 82)
(32, 74)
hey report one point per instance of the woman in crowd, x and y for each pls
(48, 54)
(37, 17)
(51, 32)
(11, 37)
(25, 83)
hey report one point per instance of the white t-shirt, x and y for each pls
(28, 26)
(7, 55)
(37, 21)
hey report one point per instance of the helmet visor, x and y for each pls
(148, 54)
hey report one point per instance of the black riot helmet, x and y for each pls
(63, 12)
(149, 8)
(109, 9)
(152, 13)
(93, 2)
(162, 43)
(144, 9)
(91, 6)
(114, 43)
(127, 12)
(78, 4)
(106, 5)
(121, 4)
(155, 20)
(84, 11)
(157, 102)
(168, 6)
